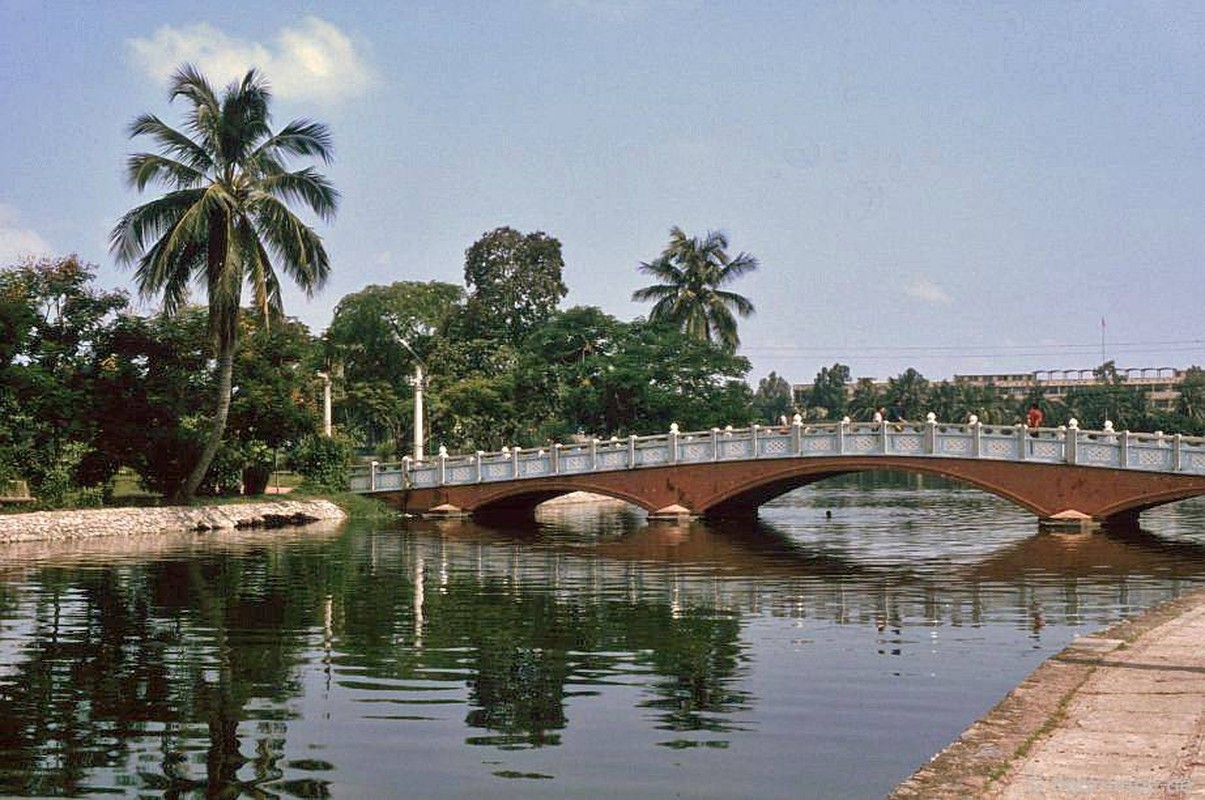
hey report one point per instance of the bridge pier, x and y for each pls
(672, 513)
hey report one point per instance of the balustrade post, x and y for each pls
(930, 433)
(883, 437)
(1022, 437)
(555, 455)
(480, 476)
(1177, 445)
(514, 460)
(594, 454)
(976, 440)
(672, 441)
(443, 465)
(632, 451)
(407, 478)
(797, 435)
(1071, 446)
(1124, 456)
(372, 476)
(715, 444)
(842, 429)
(753, 437)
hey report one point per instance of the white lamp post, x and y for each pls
(418, 398)
(326, 403)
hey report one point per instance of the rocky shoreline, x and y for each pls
(94, 522)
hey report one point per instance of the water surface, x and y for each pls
(825, 651)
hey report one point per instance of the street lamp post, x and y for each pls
(418, 397)
(326, 403)
(418, 408)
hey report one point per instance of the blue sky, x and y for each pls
(957, 187)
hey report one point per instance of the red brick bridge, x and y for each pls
(1065, 474)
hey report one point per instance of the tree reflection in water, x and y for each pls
(181, 669)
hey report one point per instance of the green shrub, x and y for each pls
(322, 461)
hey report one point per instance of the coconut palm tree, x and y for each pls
(224, 220)
(689, 296)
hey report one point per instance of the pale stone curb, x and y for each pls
(94, 522)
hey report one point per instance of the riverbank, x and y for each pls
(134, 521)
(1117, 714)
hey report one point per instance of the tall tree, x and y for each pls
(225, 219)
(692, 272)
(514, 282)
(829, 390)
(772, 401)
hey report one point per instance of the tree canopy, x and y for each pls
(692, 272)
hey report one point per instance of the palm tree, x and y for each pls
(689, 296)
(225, 218)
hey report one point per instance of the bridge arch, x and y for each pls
(744, 499)
(738, 488)
(520, 500)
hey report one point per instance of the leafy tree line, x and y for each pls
(88, 386)
(910, 395)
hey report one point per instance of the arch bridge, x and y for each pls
(1064, 475)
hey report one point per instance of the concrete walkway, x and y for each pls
(1116, 715)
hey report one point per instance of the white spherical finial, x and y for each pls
(845, 420)
(930, 417)
(673, 427)
(443, 451)
(1073, 423)
(797, 419)
(973, 419)
(1109, 425)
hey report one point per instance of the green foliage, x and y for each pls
(58, 481)
(906, 395)
(689, 296)
(514, 282)
(772, 401)
(614, 378)
(276, 401)
(55, 324)
(367, 331)
(322, 461)
(828, 391)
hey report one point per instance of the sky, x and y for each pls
(956, 187)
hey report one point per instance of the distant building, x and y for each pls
(1161, 384)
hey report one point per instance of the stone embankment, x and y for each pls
(82, 523)
(1118, 715)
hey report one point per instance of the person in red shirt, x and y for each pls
(1034, 418)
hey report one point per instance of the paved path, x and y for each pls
(1118, 715)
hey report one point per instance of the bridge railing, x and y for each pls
(930, 439)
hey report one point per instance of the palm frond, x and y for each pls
(306, 186)
(171, 142)
(145, 168)
(299, 250)
(302, 137)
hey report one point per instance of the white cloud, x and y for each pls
(924, 289)
(312, 61)
(16, 242)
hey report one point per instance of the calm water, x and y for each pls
(586, 656)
